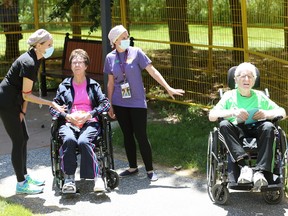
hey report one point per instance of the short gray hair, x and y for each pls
(245, 66)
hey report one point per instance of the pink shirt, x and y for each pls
(81, 98)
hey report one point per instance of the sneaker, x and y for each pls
(34, 181)
(28, 188)
(99, 185)
(152, 176)
(246, 175)
(128, 173)
(69, 186)
(259, 180)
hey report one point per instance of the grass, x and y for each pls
(11, 209)
(178, 135)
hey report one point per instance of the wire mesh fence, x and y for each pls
(192, 43)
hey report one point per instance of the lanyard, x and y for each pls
(122, 64)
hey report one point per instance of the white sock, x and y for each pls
(21, 183)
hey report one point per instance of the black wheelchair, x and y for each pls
(103, 149)
(223, 174)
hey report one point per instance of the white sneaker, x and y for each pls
(259, 180)
(246, 175)
(69, 187)
(99, 185)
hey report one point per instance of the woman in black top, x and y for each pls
(15, 93)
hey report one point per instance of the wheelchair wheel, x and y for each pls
(273, 196)
(212, 163)
(112, 179)
(220, 194)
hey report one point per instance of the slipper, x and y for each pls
(128, 173)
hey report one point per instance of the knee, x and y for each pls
(223, 125)
(268, 127)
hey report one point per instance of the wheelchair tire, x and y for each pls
(211, 163)
(273, 196)
(220, 194)
(112, 178)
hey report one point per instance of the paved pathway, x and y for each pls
(171, 195)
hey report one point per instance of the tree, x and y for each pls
(64, 6)
(285, 25)
(9, 15)
(178, 32)
(236, 15)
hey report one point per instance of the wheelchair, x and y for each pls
(222, 174)
(103, 150)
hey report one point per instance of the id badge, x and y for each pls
(125, 90)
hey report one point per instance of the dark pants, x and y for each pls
(89, 168)
(133, 122)
(17, 132)
(264, 132)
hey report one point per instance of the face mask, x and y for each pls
(48, 52)
(124, 44)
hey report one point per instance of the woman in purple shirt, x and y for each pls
(126, 93)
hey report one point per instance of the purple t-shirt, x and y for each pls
(136, 61)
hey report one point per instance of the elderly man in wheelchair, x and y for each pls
(247, 112)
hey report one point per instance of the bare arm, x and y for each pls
(110, 90)
(29, 97)
(159, 78)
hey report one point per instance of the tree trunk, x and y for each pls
(235, 7)
(9, 14)
(178, 32)
(76, 12)
(285, 25)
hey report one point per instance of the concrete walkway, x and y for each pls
(171, 195)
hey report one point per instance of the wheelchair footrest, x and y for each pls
(236, 186)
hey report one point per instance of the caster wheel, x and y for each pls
(220, 194)
(112, 179)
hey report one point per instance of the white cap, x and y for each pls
(39, 36)
(115, 33)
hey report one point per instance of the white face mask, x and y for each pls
(48, 52)
(124, 44)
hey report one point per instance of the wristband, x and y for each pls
(23, 112)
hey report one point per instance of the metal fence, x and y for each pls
(192, 43)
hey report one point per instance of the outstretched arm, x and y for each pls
(159, 78)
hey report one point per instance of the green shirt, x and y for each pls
(234, 100)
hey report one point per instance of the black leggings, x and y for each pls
(133, 121)
(18, 134)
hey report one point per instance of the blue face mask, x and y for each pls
(124, 44)
(48, 52)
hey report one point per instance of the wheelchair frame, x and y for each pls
(218, 161)
(218, 180)
(103, 149)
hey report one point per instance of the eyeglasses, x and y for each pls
(78, 62)
(244, 77)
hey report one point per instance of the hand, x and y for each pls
(59, 108)
(241, 115)
(22, 116)
(259, 115)
(80, 117)
(172, 91)
(111, 113)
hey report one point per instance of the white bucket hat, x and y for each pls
(115, 33)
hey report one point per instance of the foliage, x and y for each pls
(63, 7)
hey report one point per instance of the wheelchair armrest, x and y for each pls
(277, 118)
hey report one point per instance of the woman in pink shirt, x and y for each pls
(85, 101)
